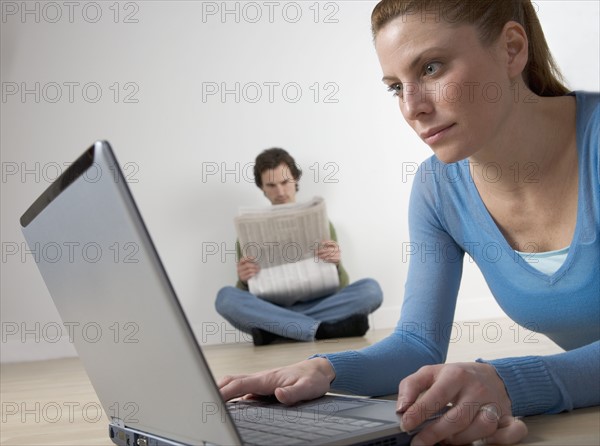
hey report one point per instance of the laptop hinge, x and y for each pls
(117, 421)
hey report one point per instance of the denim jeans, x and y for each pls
(300, 321)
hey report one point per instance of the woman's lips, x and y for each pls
(435, 135)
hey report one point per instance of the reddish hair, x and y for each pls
(541, 74)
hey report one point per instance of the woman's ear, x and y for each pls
(516, 46)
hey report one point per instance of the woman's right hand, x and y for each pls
(302, 381)
(247, 268)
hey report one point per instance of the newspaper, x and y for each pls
(284, 239)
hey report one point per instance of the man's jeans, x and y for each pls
(300, 321)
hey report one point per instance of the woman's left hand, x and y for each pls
(481, 408)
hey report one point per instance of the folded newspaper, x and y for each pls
(284, 239)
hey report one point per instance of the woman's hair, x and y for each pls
(272, 158)
(541, 74)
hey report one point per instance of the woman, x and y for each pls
(477, 83)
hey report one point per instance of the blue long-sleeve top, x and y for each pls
(447, 219)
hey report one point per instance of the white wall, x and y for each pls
(344, 129)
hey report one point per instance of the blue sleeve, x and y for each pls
(552, 384)
(423, 332)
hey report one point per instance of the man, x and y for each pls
(341, 314)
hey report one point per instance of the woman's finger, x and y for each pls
(511, 430)
(435, 387)
(413, 385)
(484, 424)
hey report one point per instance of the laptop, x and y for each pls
(143, 360)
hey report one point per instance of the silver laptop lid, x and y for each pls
(136, 343)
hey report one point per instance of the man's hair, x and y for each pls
(541, 74)
(272, 158)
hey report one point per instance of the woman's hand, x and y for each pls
(247, 268)
(302, 381)
(329, 251)
(481, 408)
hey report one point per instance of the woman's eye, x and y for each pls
(396, 89)
(432, 68)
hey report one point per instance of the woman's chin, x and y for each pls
(449, 156)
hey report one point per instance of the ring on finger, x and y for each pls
(490, 413)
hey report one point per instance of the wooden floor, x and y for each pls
(53, 402)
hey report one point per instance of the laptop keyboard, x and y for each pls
(261, 425)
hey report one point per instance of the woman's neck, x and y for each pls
(533, 148)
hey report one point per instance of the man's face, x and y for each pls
(279, 185)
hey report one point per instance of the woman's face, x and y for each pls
(454, 92)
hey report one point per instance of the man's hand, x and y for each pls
(329, 251)
(247, 268)
(302, 381)
(481, 408)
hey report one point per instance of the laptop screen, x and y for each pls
(107, 281)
